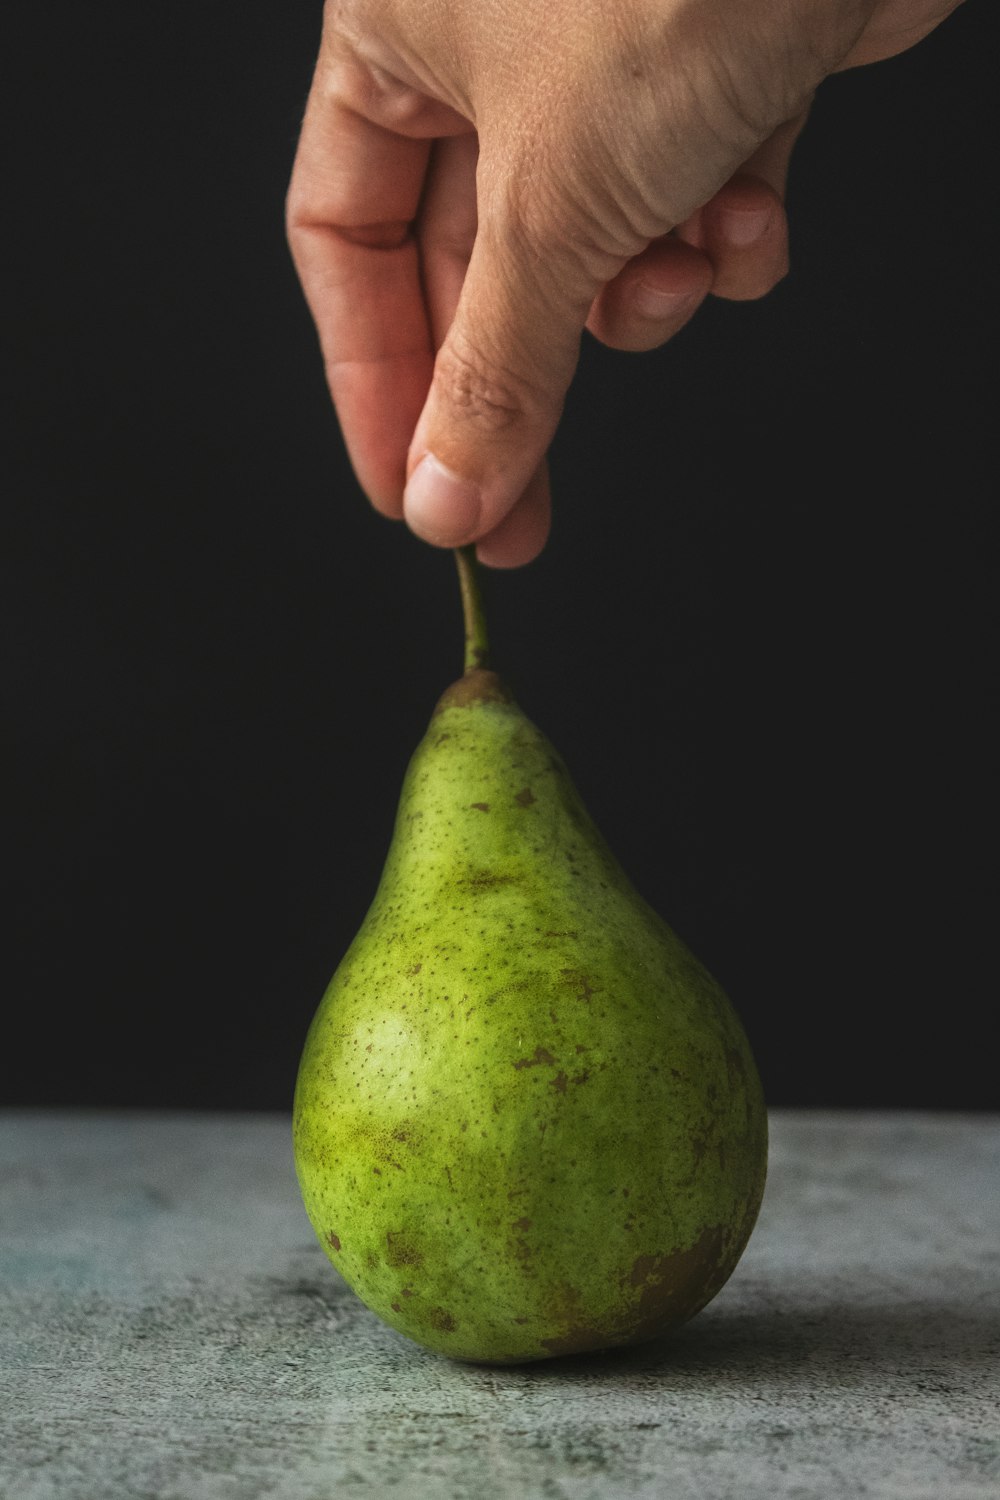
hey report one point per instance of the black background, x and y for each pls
(758, 635)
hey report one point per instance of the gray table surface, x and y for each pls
(170, 1329)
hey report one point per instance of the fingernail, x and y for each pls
(652, 302)
(744, 229)
(439, 505)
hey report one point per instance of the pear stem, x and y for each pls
(477, 645)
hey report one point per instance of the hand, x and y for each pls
(486, 178)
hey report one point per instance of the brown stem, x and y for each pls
(477, 646)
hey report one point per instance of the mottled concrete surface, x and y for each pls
(169, 1329)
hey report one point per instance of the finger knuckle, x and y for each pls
(483, 394)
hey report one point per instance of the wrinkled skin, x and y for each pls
(477, 181)
(527, 1122)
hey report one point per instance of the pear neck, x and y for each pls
(477, 686)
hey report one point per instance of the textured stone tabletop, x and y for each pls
(170, 1329)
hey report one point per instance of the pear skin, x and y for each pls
(527, 1122)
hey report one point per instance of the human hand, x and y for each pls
(477, 181)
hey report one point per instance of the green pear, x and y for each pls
(527, 1122)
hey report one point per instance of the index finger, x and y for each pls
(353, 195)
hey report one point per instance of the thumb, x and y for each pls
(499, 384)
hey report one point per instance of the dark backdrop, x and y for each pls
(758, 636)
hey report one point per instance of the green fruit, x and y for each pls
(527, 1121)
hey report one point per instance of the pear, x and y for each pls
(527, 1122)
